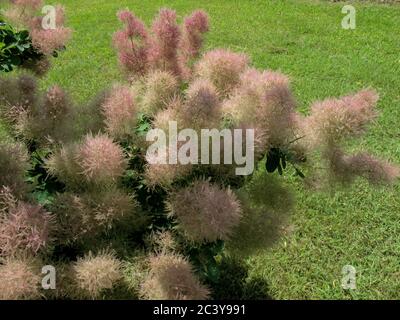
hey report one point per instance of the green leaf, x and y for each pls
(273, 159)
(299, 173)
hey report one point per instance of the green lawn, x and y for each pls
(303, 39)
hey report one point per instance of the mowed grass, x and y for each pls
(304, 40)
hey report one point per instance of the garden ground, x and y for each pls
(304, 40)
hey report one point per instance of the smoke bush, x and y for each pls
(195, 26)
(97, 160)
(120, 112)
(18, 95)
(49, 119)
(333, 120)
(171, 277)
(223, 68)
(345, 169)
(166, 46)
(166, 35)
(132, 44)
(96, 273)
(20, 279)
(202, 107)
(25, 228)
(85, 215)
(205, 212)
(13, 166)
(159, 89)
(101, 160)
(88, 166)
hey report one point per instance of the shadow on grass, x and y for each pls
(234, 283)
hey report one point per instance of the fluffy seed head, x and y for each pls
(62, 164)
(263, 101)
(56, 103)
(101, 160)
(13, 165)
(119, 111)
(50, 120)
(276, 115)
(164, 117)
(132, 44)
(333, 120)
(7, 201)
(205, 212)
(86, 215)
(223, 68)
(159, 174)
(134, 27)
(33, 4)
(19, 279)
(18, 95)
(246, 99)
(195, 26)
(202, 107)
(25, 229)
(346, 168)
(171, 277)
(96, 273)
(51, 40)
(159, 89)
(166, 40)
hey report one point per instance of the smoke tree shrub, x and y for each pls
(95, 273)
(13, 169)
(25, 228)
(84, 182)
(171, 277)
(165, 46)
(20, 278)
(205, 212)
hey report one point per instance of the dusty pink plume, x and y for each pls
(33, 4)
(132, 44)
(205, 212)
(345, 168)
(164, 54)
(101, 159)
(25, 229)
(48, 41)
(194, 26)
(223, 68)
(120, 111)
(332, 120)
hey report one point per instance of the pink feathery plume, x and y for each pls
(164, 53)
(33, 4)
(132, 44)
(194, 26)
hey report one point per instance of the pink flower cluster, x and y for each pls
(24, 229)
(333, 120)
(166, 46)
(346, 168)
(119, 110)
(194, 27)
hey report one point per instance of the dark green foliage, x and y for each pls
(45, 185)
(16, 48)
(277, 159)
(233, 282)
